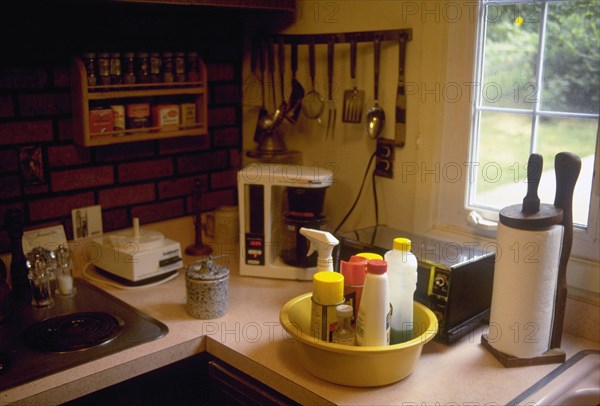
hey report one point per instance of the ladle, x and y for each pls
(312, 105)
(376, 115)
(268, 120)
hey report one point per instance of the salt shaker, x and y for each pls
(207, 289)
(39, 280)
(64, 271)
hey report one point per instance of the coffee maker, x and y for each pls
(275, 201)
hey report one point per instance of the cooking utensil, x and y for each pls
(400, 136)
(295, 103)
(332, 111)
(354, 98)
(270, 122)
(312, 104)
(281, 65)
(376, 115)
(259, 56)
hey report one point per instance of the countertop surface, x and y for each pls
(250, 338)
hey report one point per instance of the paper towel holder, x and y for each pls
(533, 215)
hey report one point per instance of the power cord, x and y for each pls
(359, 194)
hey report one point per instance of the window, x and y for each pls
(538, 66)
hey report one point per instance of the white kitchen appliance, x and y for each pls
(136, 256)
(265, 213)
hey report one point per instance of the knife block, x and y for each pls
(537, 218)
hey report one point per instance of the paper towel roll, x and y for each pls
(524, 290)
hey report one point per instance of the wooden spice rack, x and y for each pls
(83, 97)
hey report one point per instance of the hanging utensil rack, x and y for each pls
(340, 38)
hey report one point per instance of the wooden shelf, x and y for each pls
(84, 97)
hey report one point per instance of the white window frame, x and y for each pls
(451, 214)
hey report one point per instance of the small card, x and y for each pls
(48, 238)
(87, 222)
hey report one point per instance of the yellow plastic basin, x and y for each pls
(355, 366)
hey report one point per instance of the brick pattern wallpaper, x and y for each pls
(152, 180)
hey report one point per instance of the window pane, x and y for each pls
(571, 76)
(573, 135)
(511, 47)
(503, 151)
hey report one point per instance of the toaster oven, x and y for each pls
(454, 280)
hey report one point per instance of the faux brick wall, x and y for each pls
(152, 180)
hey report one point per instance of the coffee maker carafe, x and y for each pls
(275, 201)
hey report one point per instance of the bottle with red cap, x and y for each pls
(354, 272)
(373, 321)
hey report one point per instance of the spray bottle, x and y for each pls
(324, 243)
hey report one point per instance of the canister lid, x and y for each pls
(328, 288)
(402, 244)
(206, 270)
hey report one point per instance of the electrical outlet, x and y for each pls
(384, 158)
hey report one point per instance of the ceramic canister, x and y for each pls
(222, 225)
(207, 289)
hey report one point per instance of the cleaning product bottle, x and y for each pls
(328, 292)
(324, 243)
(344, 332)
(373, 322)
(402, 273)
(354, 272)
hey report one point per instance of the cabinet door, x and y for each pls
(229, 386)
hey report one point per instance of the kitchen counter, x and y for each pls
(250, 338)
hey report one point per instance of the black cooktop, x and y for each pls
(91, 324)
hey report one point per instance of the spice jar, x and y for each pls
(129, 69)
(104, 68)
(89, 61)
(207, 289)
(116, 75)
(180, 67)
(168, 74)
(142, 71)
(192, 73)
(155, 67)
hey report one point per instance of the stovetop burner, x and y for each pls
(84, 327)
(72, 332)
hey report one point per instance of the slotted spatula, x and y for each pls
(354, 98)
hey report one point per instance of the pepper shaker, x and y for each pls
(39, 280)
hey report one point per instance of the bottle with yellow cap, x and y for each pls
(402, 273)
(328, 292)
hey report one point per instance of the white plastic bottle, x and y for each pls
(402, 274)
(373, 322)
